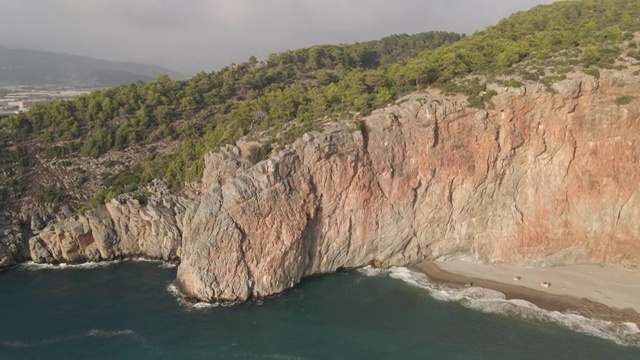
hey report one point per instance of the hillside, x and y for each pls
(114, 140)
(76, 155)
(30, 67)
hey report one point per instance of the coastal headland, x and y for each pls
(543, 179)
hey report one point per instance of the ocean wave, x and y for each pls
(173, 290)
(32, 266)
(370, 271)
(161, 263)
(17, 344)
(167, 265)
(495, 302)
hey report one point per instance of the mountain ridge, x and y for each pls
(33, 67)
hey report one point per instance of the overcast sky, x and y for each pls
(194, 35)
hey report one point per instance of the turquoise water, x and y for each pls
(125, 311)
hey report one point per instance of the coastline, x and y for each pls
(582, 289)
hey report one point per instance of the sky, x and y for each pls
(205, 35)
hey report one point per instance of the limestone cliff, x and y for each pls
(145, 225)
(545, 177)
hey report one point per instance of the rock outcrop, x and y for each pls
(13, 248)
(144, 224)
(15, 228)
(546, 177)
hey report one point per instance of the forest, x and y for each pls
(289, 93)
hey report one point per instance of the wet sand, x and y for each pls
(605, 293)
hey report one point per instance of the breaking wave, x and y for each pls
(495, 302)
(32, 266)
(173, 290)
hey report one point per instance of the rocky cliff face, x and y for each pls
(15, 228)
(546, 177)
(146, 224)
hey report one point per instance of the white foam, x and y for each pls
(90, 265)
(173, 290)
(204, 305)
(495, 302)
(632, 328)
(161, 263)
(370, 271)
(166, 265)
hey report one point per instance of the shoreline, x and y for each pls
(565, 296)
(87, 265)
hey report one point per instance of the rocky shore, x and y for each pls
(545, 177)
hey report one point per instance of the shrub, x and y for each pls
(593, 72)
(475, 102)
(513, 83)
(624, 100)
(550, 80)
(487, 96)
(51, 195)
(634, 54)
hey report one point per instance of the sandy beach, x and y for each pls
(607, 293)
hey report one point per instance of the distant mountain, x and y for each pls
(30, 67)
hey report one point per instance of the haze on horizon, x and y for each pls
(204, 35)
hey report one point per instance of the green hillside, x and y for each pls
(289, 93)
(200, 114)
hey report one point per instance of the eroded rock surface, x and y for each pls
(144, 224)
(544, 178)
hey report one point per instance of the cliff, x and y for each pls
(146, 224)
(545, 177)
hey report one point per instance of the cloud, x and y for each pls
(192, 35)
(232, 13)
(84, 6)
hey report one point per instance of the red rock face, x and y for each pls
(544, 178)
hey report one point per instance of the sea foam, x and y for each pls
(173, 290)
(32, 266)
(495, 302)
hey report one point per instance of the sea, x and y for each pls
(130, 310)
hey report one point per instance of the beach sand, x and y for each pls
(601, 292)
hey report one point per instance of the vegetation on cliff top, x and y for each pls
(288, 93)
